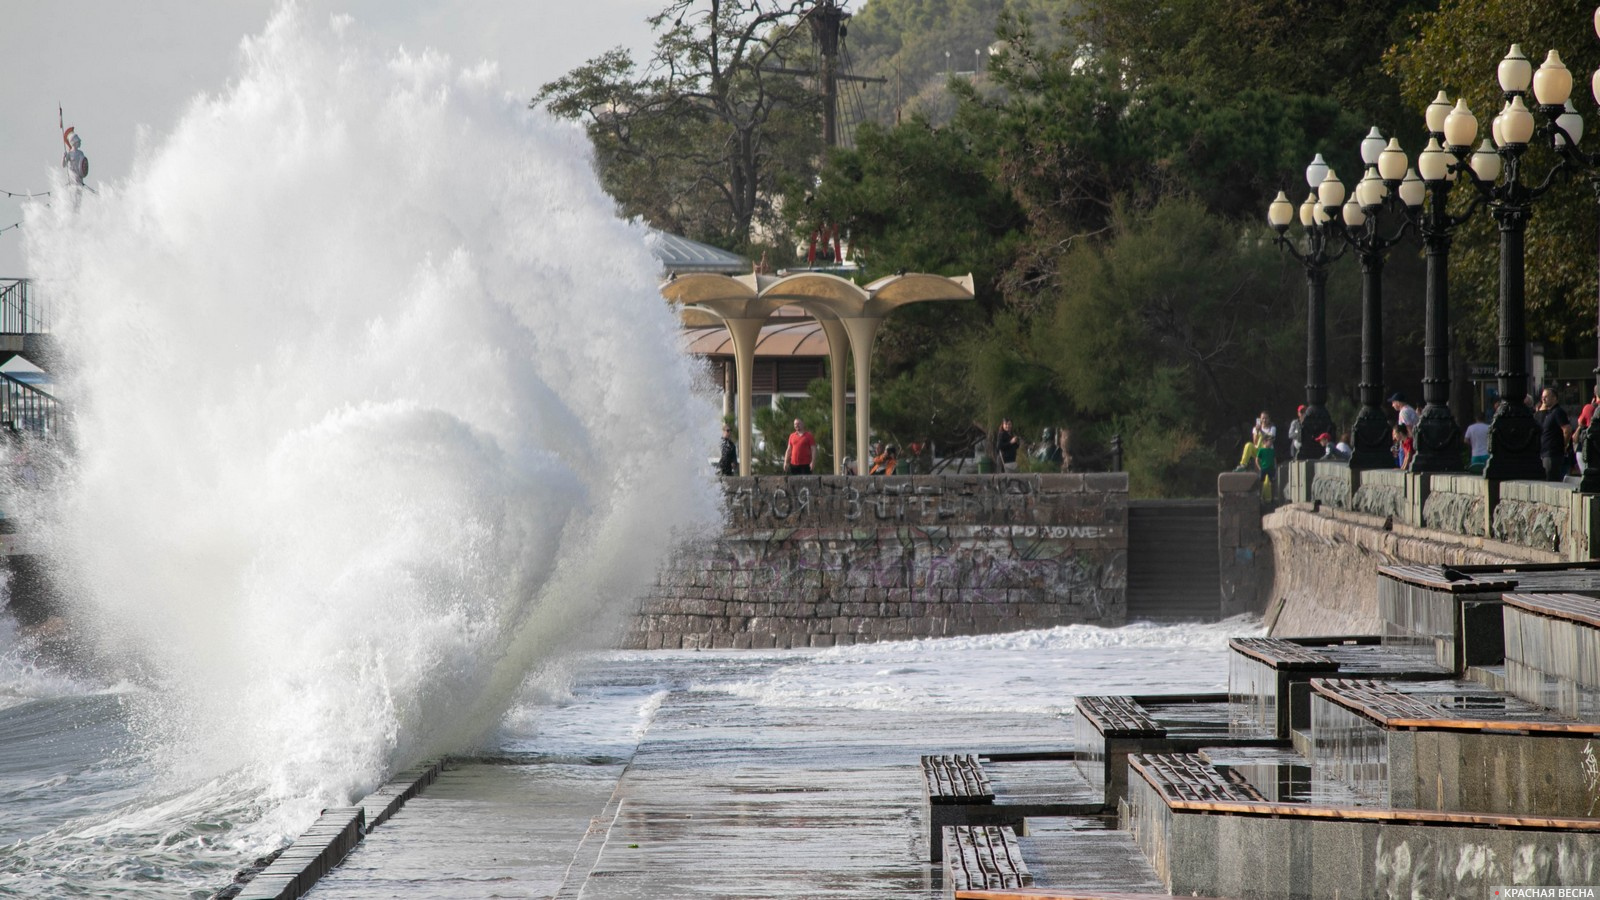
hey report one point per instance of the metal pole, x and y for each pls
(1370, 436)
(1514, 434)
(1438, 438)
(1317, 419)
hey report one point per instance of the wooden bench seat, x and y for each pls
(956, 778)
(1187, 777)
(1568, 607)
(1478, 580)
(983, 856)
(1119, 717)
(1055, 894)
(1281, 654)
(1392, 708)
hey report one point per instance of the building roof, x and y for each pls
(679, 255)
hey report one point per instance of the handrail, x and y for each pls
(27, 409)
(20, 311)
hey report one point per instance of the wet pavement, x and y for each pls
(725, 796)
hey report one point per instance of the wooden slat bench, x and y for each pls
(1281, 654)
(1055, 894)
(1187, 777)
(983, 856)
(1568, 607)
(960, 791)
(1119, 717)
(1479, 580)
(956, 779)
(1144, 769)
(1392, 708)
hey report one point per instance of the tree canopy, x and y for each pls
(1102, 168)
(708, 134)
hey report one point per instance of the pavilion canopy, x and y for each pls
(848, 314)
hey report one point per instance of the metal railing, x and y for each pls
(27, 410)
(20, 311)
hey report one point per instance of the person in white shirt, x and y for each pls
(1477, 436)
(1407, 412)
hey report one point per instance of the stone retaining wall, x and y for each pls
(1345, 523)
(828, 560)
(1326, 566)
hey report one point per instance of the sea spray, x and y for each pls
(375, 403)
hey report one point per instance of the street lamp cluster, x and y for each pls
(1493, 168)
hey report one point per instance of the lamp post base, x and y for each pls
(1439, 441)
(1371, 440)
(1513, 445)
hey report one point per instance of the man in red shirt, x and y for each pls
(797, 459)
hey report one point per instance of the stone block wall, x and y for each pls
(1325, 576)
(830, 560)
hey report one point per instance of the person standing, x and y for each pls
(1006, 443)
(1555, 436)
(1295, 429)
(1477, 435)
(1580, 435)
(1265, 438)
(728, 462)
(1403, 447)
(1406, 412)
(802, 444)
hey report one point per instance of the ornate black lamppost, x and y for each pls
(1553, 80)
(1513, 434)
(1317, 218)
(1438, 438)
(1385, 178)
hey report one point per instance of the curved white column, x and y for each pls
(745, 333)
(838, 345)
(863, 330)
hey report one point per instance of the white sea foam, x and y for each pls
(376, 404)
(1028, 672)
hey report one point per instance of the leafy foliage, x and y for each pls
(916, 46)
(704, 140)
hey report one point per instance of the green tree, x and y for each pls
(906, 42)
(705, 138)
(1323, 48)
(1071, 137)
(1173, 332)
(916, 198)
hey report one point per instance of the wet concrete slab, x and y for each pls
(1078, 854)
(724, 797)
(480, 831)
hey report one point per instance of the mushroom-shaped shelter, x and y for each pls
(850, 314)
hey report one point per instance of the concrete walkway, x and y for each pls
(724, 797)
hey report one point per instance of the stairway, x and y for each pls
(1173, 572)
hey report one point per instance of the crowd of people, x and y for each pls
(1561, 439)
(1048, 454)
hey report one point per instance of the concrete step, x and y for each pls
(1080, 854)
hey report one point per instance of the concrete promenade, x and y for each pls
(723, 797)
